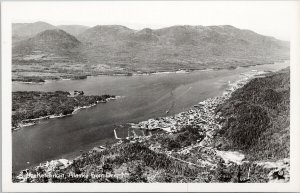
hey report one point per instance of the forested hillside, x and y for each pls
(257, 117)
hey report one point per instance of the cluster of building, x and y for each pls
(194, 116)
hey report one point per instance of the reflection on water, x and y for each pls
(144, 97)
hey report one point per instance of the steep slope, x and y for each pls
(74, 30)
(257, 118)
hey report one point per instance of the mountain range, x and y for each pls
(176, 47)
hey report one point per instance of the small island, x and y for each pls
(28, 107)
(31, 79)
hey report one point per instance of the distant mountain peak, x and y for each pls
(55, 35)
(105, 33)
(227, 26)
(111, 26)
(145, 31)
(53, 31)
(50, 41)
(74, 30)
(30, 29)
(41, 22)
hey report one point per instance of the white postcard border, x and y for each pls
(8, 186)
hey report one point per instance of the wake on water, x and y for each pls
(173, 101)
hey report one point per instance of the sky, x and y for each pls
(271, 18)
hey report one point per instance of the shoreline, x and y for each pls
(176, 71)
